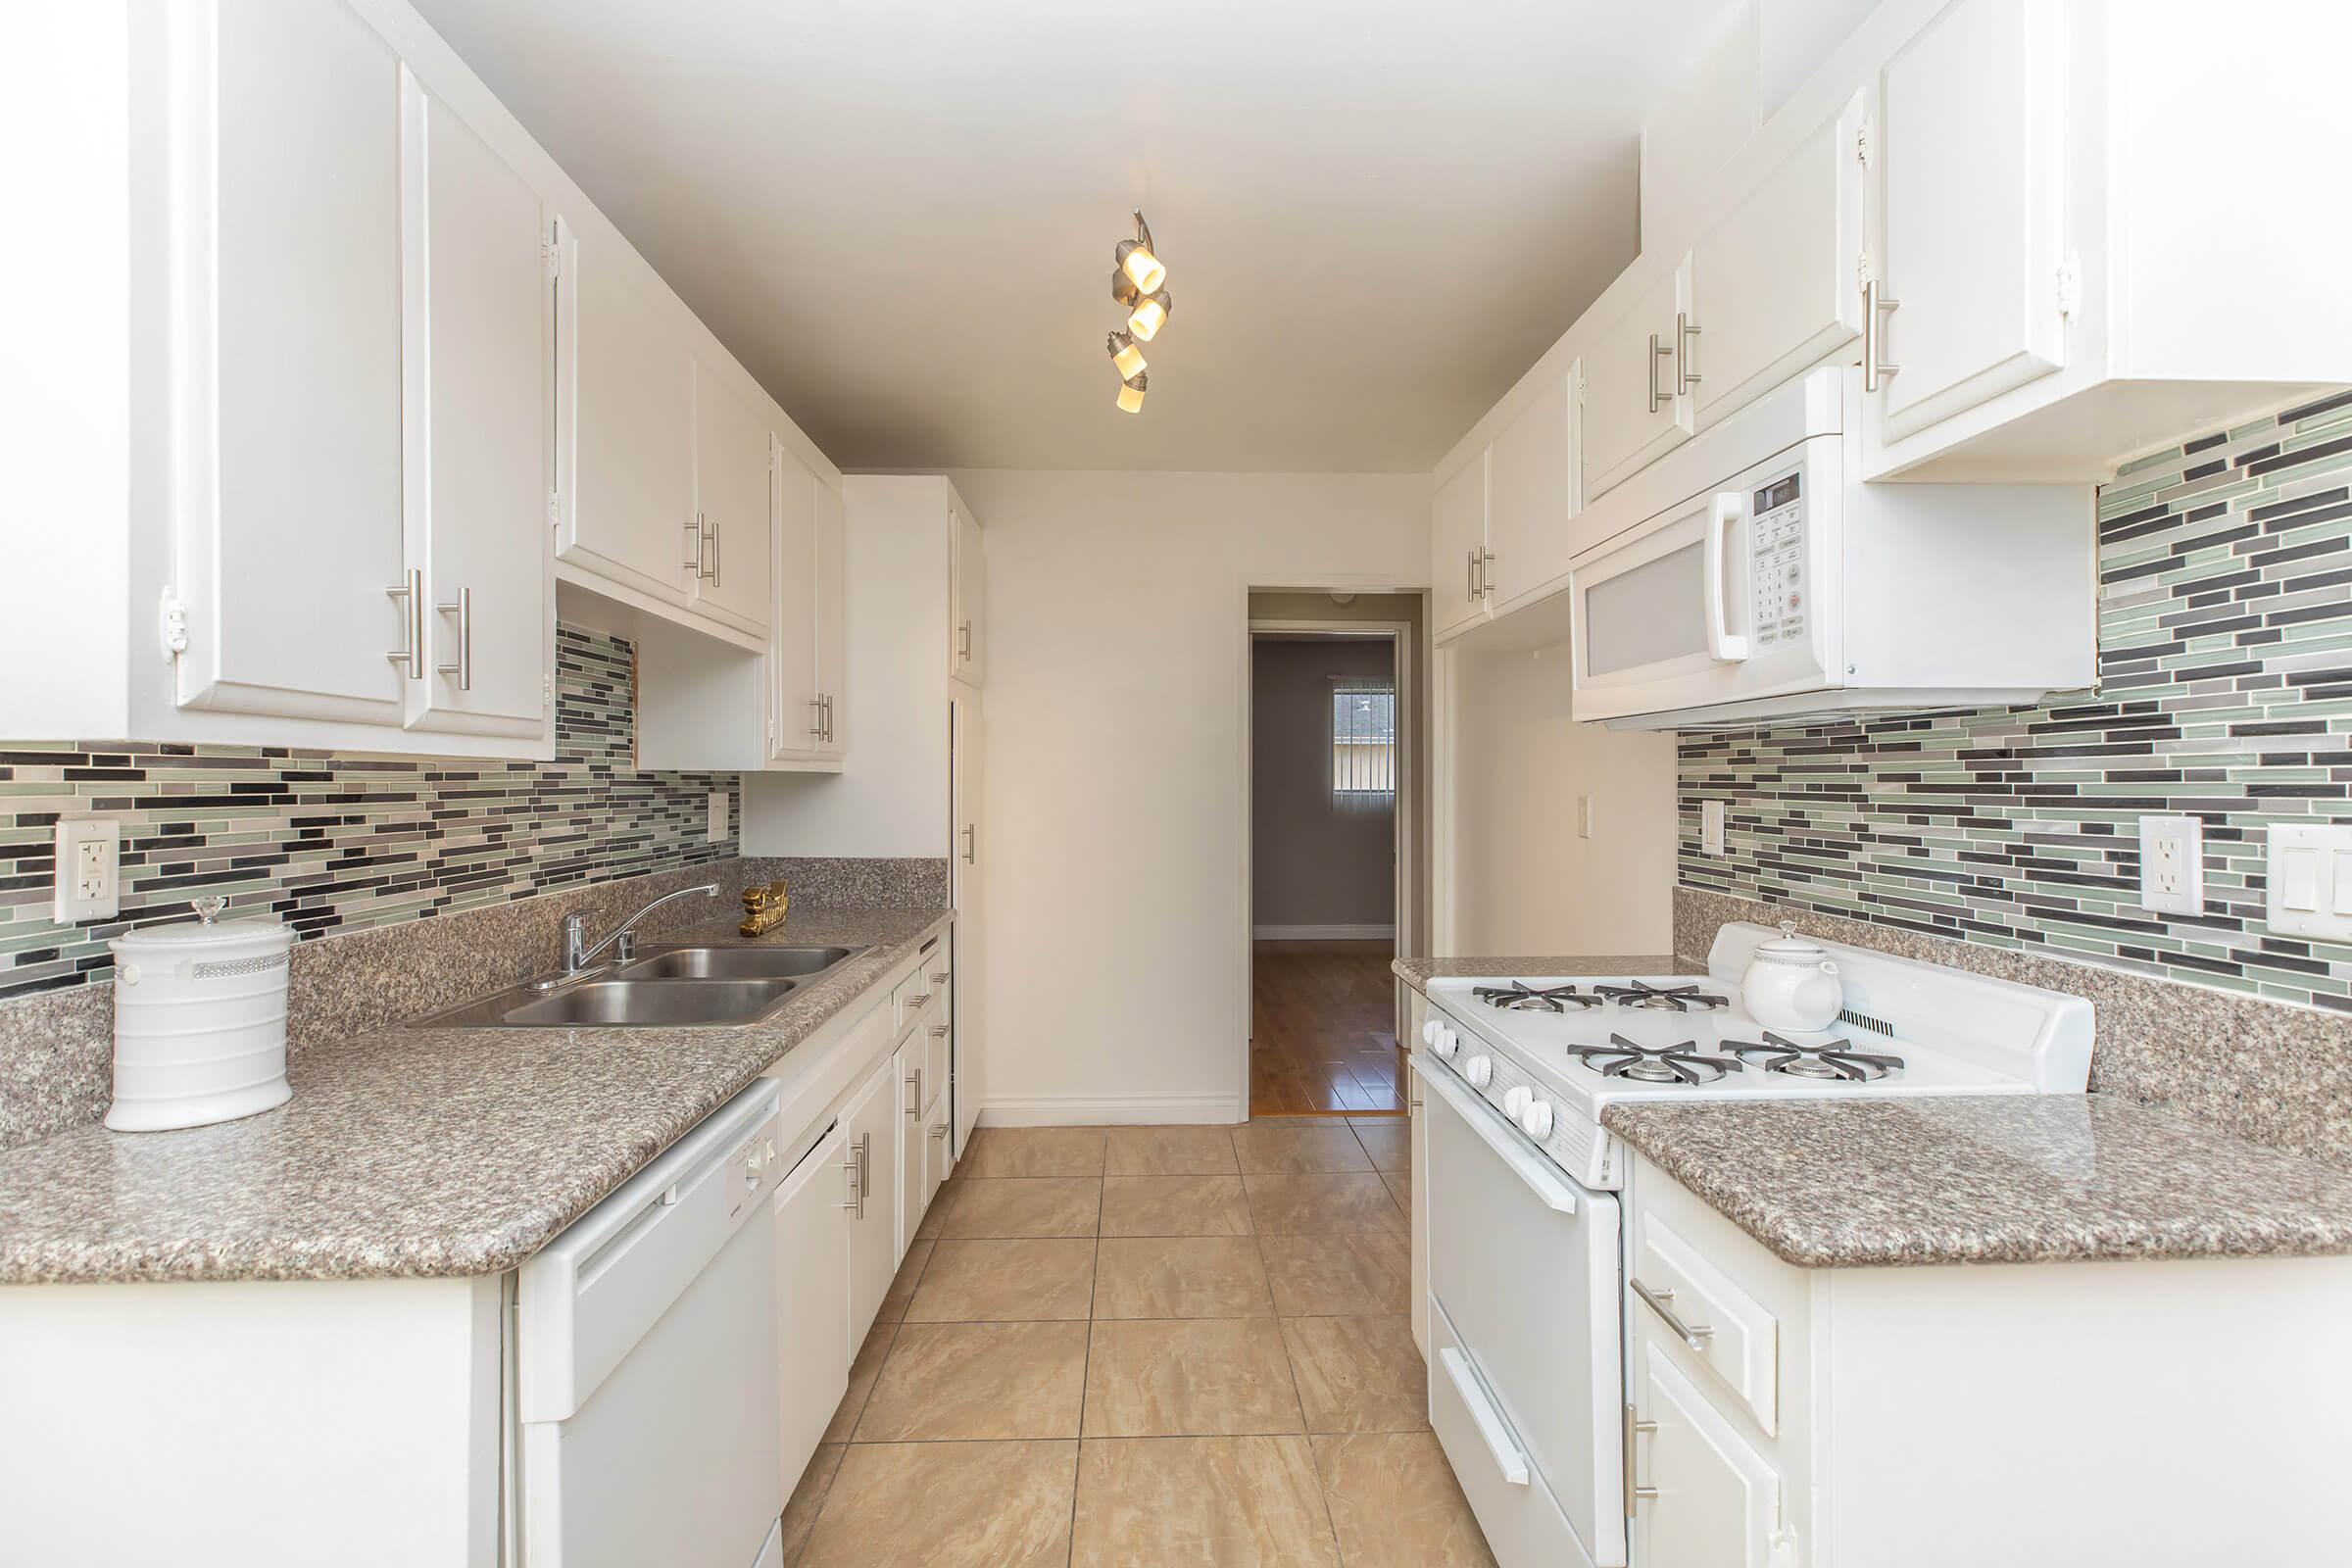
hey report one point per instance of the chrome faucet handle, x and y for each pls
(625, 946)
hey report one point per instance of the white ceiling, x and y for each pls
(899, 214)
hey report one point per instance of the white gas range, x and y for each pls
(1525, 1266)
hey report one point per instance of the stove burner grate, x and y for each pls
(1655, 1065)
(1520, 997)
(1662, 999)
(1836, 1058)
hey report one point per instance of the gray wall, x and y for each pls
(1313, 863)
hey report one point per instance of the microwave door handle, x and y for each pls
(1723, 645)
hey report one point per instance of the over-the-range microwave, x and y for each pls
(1779, 586)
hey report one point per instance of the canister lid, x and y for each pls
(205, 934)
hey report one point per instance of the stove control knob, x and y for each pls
(1515, 1099)
(1535, 1117)
(1481, 1072)
(1430, 1032)
(1446, 1044)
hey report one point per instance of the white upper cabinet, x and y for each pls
(830, 619)
(796, 721)
(1775, 283)
(1532, 493)
(1459, 560)
(1972, 242)
(1638, 382)
(733, 548)
(967, 611)
(283, 243)
(628, 511)
(479, 427)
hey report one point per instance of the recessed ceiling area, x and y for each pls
(899, 214)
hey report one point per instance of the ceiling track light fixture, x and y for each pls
(1136, 273)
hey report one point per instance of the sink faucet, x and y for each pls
(579, 958)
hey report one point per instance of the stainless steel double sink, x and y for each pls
(665, 987)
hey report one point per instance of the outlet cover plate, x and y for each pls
(2172, 864)
(89, 869)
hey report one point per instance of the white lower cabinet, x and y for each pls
(871, 1129)
(939, 1148)
(813, 1298)
(1705, 1497)
(1416, 1013)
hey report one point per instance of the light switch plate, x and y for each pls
(89, 869)
(719, 813)
(1710, 828)
(1584, 816)
(2310, 877)
(2172, 864)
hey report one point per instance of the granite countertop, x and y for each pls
(1419, 972)
(413, 1152)
(1988, 1179)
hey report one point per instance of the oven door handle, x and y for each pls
(1509, 1457)
(1557, 1192)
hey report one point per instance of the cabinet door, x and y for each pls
(813, 1298)
(937, 1157)
(629, 445)
(1971, 237)
(479, 425)
(828, 619)
(968, 626)
(1458, 548)
(1776, 284)
(969, 845)
(796, 722)
(1532, 477)
(732, 477)
(871, 1128)
(1717, 1501)
(1417, 1179)
(1637, 402)
(284, 253)
(913, 1194)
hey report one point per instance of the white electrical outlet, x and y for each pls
(1710, 828)
(89, 869)
(719, 813)
(1584, 816)
(2172, 864)
(2310, 893)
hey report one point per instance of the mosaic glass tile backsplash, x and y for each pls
(335, 841)
(2226, 693)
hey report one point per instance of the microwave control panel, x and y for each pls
(1779, 597)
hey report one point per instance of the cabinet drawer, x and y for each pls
(908, 999)
(1732, 1334)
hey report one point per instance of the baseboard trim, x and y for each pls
(1113, 1111)
(1323, 933)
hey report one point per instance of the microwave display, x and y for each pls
(1777, 567)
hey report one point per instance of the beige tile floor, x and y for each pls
(1136, 1347)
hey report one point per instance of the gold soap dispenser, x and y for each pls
(763, 908)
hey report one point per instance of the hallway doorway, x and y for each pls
(1329, 808)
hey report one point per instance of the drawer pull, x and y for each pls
(918, 1004)
(1693, 1335)
(1508, 1457)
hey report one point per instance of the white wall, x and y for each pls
(1118, 628)
(1525, 882)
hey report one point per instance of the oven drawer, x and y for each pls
(1727, 1331)
(1523, 1522)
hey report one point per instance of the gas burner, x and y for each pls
(1836, 1058)
(1655, 1065)
(1662, 999)
(1520, 997)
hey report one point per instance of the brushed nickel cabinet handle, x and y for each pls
(463, 608)
(972, 843)
(1693, 1335)
(1486, 575)
(1685, 379)
(410, 597)
(694, 546)
(709, 550)
(1873, 333)
(914, 1098)
(817, 724)
(964, 643)
(1657, 351)
(1634, 1427)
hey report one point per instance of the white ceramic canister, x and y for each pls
(200, 1021)
(1790, 982)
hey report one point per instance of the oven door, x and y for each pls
(1729, 596)
(1526, 1382)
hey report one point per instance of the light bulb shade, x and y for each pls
(1131, 392)
(1126, 356)
(1136, 259)
(1150, 314)
(1123, 290)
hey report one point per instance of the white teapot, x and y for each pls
(1792, 984)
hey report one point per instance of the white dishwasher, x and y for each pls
(647, 1364)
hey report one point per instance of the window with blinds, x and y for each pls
(1363, 740)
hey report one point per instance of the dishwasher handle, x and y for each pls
(1558, 1193)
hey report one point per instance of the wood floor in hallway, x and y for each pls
(1146, 1348)
(1322, 1030)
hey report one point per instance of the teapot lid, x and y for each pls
(1789, 945)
